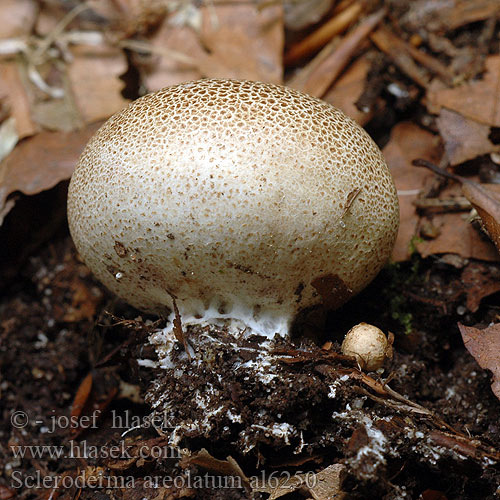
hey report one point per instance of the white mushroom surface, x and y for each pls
(242, 200)
(368, 344)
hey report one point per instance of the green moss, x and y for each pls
(401, 276)
(412, 245)
(404, 318)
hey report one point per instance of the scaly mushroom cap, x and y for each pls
(240, 199)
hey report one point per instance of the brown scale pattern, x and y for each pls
(231, 193)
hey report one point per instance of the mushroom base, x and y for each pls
(240, 318)
(238, 388)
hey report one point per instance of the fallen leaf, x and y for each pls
(94, 74)
(162, 68)
(479, 280)
(237, 40)
(245, 39)
(280, 486)
(40, 162)
(228, 467)
(323, 485)
(478, 100)
(407, 142)
(57, 115)
(483, 197)
(95, 393)
(18, 18)
(484, 346)
(464, 139)
(348, 88)
(329, 482)
(458, 236)
(487, 203)
(447, 15)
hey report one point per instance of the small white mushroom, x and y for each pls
(241, 200)
(368, 345)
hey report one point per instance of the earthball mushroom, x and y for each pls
(241, 201)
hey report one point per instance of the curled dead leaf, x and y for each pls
(484, 346)
(482, 197)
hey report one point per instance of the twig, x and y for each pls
(437, 170)
(321, 77)
(56, 32)
(398, 51)
(438, 205)
(323, 35)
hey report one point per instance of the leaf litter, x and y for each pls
(423, 78)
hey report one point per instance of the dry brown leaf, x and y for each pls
(448, 15)
(477, 100)
(464, 139)
(163, 68)
(57, 115)
(94, 75)
(95, 393)
(59, 83)
(228, 467)
(18, 18)
(324, 485)
(246, 40)
(236, 40)
(456, 234)
(281, 485)
(329, 483)
(486, 201)
(348, 88)
(479, 280)
(484, 346)
(407, 142)
(40, 162)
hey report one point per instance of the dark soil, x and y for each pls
(275, 408)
